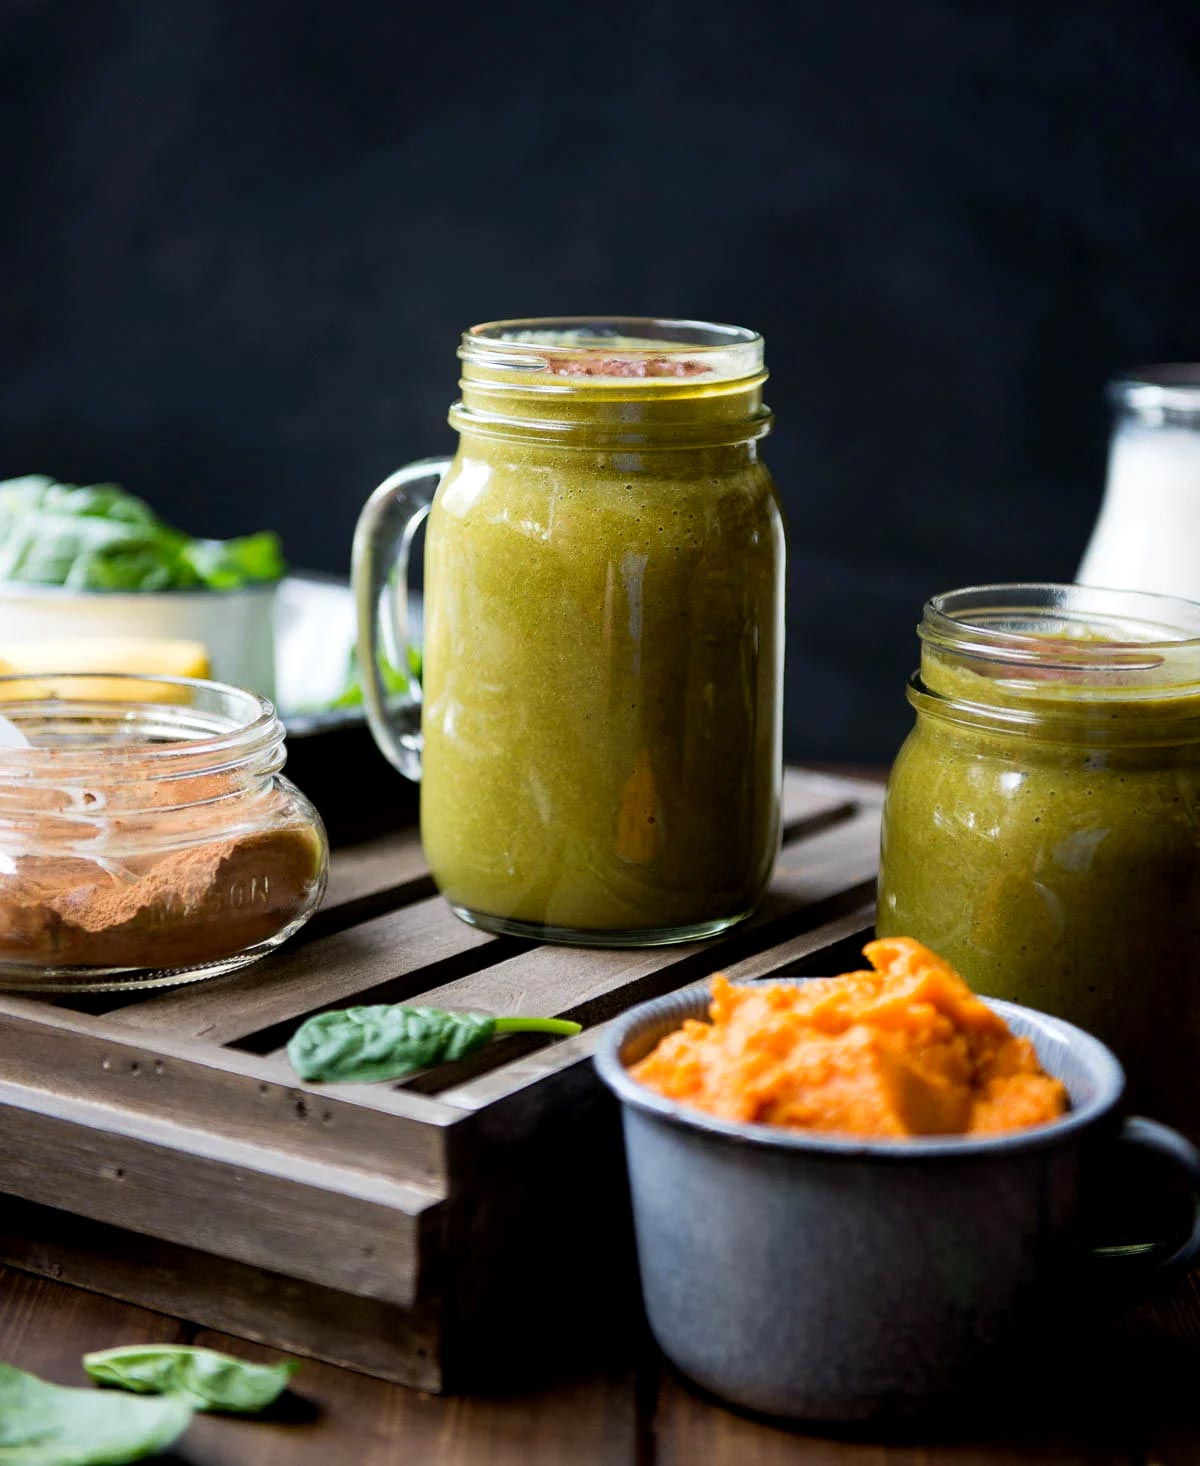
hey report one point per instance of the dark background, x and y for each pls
(241, 237)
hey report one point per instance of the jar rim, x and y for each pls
(1081, 726)
(1162, 387)
(209, 725)
(1000, 622)
(633, 344)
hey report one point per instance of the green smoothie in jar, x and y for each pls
(1042, 823)
(601, 716)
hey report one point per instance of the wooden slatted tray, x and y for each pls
(440, 1231)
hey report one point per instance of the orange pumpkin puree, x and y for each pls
(907, 1049)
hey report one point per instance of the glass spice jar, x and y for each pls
(147, 836)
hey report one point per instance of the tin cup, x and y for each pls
(832, 1278)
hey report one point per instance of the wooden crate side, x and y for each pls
(338, 1227)
(243, 1096)
(539, 1235)
(365, 1334)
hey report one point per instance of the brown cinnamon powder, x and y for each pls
(623, 366)
(178, 909)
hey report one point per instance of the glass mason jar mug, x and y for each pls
(597, 726)
(1042, 821)
(146, 834)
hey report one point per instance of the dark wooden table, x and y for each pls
(1128, 1392)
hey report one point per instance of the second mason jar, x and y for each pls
(1042, 823)
(599, 737)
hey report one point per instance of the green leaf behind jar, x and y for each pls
(100, 538)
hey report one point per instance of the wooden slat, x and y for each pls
(787, 956)
(391, 958)
(375, 866)
(1159, 1346)
(386, 950)
(334, 1226)
(807, 797)
(546, 1065)
(837, 866)
(807, 784)
(243, 1096)
(561, 981)
(318, 975)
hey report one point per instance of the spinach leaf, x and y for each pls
(394, 680)
(211, 1381)
(388, 1041)
(227, 564)
(101, 538)
(51, 1425)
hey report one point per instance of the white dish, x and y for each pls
(291, 642)
(237, 626)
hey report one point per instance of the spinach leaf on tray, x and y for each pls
(53, 1425)
(208, 1379)
(388, 1041)
(101, 538)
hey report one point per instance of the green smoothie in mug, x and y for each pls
(599, 737)
(1042, 822)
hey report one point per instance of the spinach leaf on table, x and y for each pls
(42, 1424)
(101, 538)
(208, 1379)
(388, 1041)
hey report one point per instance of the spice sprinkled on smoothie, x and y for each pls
(623, 366)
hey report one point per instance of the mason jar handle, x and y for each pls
(1139, 1269)
(382, 540)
